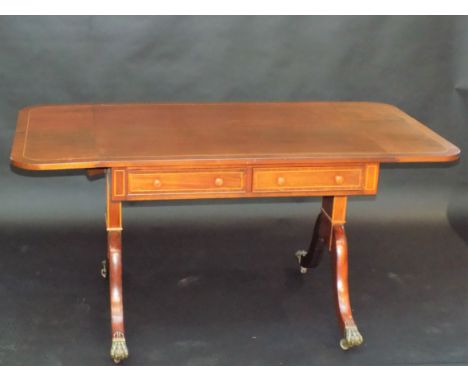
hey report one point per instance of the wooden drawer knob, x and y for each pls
(339, 179)
(157, 183)
(281, 181)
(219, 182)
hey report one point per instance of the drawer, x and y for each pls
(195, 181)
(308, 179)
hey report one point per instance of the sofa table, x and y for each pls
(166, 151)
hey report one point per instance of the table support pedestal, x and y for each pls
(119, 349)
(329, 230)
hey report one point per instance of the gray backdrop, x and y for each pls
(416, 226)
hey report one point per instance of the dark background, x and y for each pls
(215, 282)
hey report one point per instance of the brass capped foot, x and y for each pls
(104, 269)
(119, 350)
(352, 337)
(300, 254)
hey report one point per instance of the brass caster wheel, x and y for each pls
(300, 254)
(104, 269)
(344, 344)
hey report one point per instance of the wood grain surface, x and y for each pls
(53, 137)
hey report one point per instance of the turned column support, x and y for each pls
(119, 349)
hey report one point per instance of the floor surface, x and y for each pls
(202, 293)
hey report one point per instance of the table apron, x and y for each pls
(148, 183)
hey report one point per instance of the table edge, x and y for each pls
(452, 152)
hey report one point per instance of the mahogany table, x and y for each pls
(229, 150)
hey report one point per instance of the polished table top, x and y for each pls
(54, 137)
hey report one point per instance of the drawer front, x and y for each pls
(308, 179)
(186, 182)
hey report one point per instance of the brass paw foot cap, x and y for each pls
(300, 254)
(352, 338)
(119, 350)
(104, 269)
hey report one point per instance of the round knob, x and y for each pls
(281, 181)
(219, 182)
(157, 183)
(339, 179)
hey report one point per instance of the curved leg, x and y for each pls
(119, 349)
(339, 252)
(312, 257)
